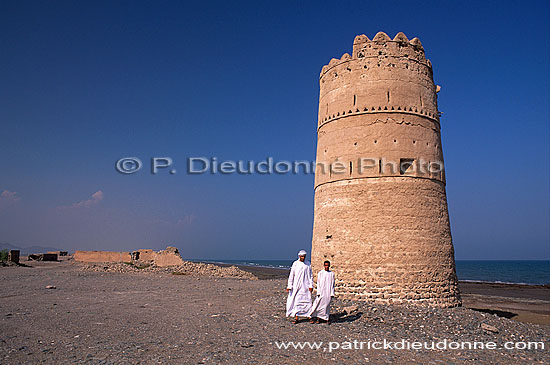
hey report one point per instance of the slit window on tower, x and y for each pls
(435, 169)
(406, 165)
(354, 100)
(388, 96)
(350, 168)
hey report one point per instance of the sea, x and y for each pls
(493, 271)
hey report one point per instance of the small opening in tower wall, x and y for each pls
(354, 99)
(388, 96)
(406, 165)
(350, 168)
(435, 169)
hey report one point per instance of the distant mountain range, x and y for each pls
(27, 250)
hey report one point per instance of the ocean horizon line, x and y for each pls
(520, 272)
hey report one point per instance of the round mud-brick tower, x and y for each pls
(381, 214)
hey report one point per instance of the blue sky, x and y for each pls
(86, 83)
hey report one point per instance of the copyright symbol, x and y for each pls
(128, 165)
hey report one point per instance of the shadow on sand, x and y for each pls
(497, 312)
(341, 317)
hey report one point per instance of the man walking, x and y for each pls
(325, 292)
(299, 288)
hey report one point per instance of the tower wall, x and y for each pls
(381, 214)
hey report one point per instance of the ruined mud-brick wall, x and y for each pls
(167, 257)
(146, 254)
(102, 256)
(385, 228)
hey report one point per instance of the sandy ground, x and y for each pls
(103, 318)
(524, 303)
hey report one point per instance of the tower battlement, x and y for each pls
(391, 76)
(381, 47)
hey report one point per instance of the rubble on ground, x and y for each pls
(188, 268)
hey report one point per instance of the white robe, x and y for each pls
(325, 292)
(300, 280)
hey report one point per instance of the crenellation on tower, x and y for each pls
(400, 64)
(382, 46)
(381, 217)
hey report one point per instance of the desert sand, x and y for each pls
(99, 317)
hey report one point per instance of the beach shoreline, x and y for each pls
(528, 303)
(522, 290)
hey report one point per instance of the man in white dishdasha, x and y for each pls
(299, 288)
(325, 291)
